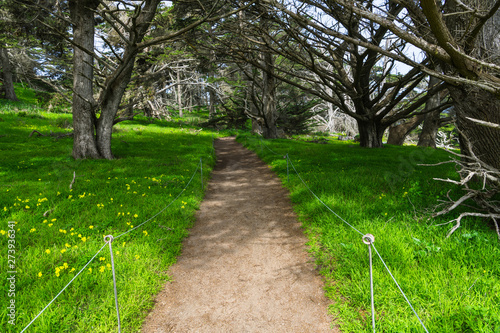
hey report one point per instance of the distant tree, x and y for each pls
(111, 67)
(8, 81)
(7, 31)
(461, 36)
(356, 79)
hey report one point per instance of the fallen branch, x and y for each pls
(473, 172)
(48, 212)
(64, 135)
(459, 218)
(57, 136)
(35, 131)
(73, 181)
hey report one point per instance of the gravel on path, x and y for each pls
(245, 266)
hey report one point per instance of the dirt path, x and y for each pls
(244, 267)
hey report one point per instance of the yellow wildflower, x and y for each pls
(63, 250)
(91, 227)
(39, 274)
(84, 239)
(102, 259)
(101, 269)
(47, 251)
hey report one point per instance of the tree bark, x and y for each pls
(84, 144)
(92, 136)
(269, 131)
(432, 121)
(430, 129)
(370, 133)
(8, 81)
(476, 103)
(179, 94)
(111, 97)
(398, 133)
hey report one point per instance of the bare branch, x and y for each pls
(484, 123)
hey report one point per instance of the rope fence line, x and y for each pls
(108, 240)
(367, 239)
(77, 274)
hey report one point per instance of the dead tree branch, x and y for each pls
(481, 183)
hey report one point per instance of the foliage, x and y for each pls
(295, 117)
(155, 162)
(453, 283)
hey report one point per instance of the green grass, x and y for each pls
(155, 161)
(454, 283)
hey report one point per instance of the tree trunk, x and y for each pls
(398, 133)
(8, 82)
(211, 101)
(370, 133)
(430, 129)
(432, 122)
(88, 144)
(179, 94)
(481, 105)
(112, 95)
(269, 131)
(109, 109)
(84, 144)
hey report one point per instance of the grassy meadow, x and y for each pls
(453, 283)
(58, 230)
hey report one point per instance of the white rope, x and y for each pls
(272, 151)
(401, 290)
(369, 239)
(327, 207)
(114, 279)
(109, 239)
(161, 211)
(31, 322)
